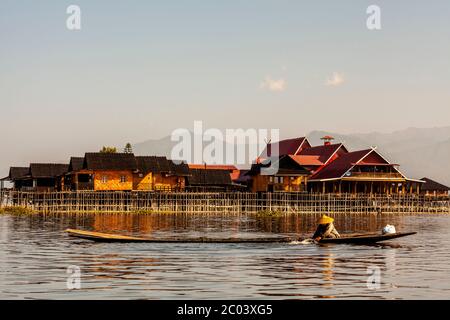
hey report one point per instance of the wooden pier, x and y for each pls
(211, 202)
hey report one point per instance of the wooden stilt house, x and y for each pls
(108, 171)
(43, 177)
(15, 175)
(364, 171)
(159, 174)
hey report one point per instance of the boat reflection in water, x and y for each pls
(327, 269)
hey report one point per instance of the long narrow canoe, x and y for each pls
(366, 238)
(108, 237)
(353, 238)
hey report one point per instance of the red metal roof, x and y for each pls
(341, 165)
(324, 152)
(285, 147)
(235, 174)
(307, 160)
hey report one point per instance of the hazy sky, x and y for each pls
(139, 69)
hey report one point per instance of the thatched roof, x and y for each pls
(153, 164)
(109, 161)
(431, 185)
(15, 173)
(47, 170)
(76, 164)
(158, 164)
(201, 177)
(179, 168)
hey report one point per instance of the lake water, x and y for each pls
(35, 254)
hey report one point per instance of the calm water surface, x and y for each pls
(35, 254)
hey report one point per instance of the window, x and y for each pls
(281, 179)
(104, 179)
(84, 178)
(123, 179)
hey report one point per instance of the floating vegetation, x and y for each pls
(16, 210)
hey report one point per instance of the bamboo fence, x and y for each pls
(223, 202)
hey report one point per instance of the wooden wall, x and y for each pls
(143, 183)
(296, 184)
(157, 182)
(260, 183)
(166, 182)
(113, 182)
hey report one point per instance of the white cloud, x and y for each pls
(275, 85)
(335, 80)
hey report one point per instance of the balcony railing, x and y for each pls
(379, 175)
(28, 189)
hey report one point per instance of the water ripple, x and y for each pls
(35, 254)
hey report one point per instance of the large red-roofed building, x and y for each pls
(333, 169)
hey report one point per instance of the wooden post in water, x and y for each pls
(232, 202)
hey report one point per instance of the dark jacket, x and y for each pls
(326, 231)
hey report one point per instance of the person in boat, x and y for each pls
(325, 229)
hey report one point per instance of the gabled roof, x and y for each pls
(243, 176)
(287, 146)
(431, 185)
(47, 170)
(256, 168)
(323, 152)
(231, 169)
(287, 165)
(178, 168)
(342, 164)
(153, 164)
(109, 161)
(213, 166)
(213, 177)
(76, 164)
(18, 172)
(307, 160)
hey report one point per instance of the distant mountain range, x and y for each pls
(420, 152)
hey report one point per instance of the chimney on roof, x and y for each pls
(327, 140)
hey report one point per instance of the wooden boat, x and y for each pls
(107, 237)
(365, 238)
